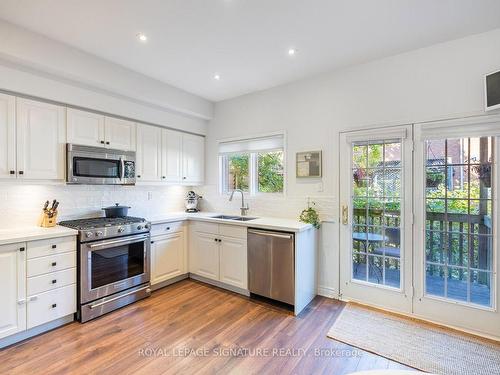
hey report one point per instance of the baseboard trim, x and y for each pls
(220, 284)
(327, 291)
(35, 331)
(169, 282)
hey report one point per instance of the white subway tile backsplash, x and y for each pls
(262, 205)
(21, 205)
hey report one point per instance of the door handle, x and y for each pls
(345, 214)
(122, 168)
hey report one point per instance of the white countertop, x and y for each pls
(33, 233)
(271, 223)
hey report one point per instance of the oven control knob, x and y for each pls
(147, 226)
(121, 229)
(89, 234)
(98, 234)
(139, 227)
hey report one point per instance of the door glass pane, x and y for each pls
(458, 239)
(116, 264)
(376, 202)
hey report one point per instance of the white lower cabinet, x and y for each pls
(38, 283)
(204, 255)
(167, 257)
(13, 289)
(51, 305)
(219, 252)
(233, 262)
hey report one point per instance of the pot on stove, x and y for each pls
(116, 211)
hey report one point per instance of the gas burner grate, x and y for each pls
(99, 222)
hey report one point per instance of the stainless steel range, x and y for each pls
(113, 263)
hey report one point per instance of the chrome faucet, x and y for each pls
(243, 208)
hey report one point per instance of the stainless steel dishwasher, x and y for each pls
(271, 264)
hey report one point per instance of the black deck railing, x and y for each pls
(444, 231)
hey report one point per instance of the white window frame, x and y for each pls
(253, 173)
(253, 182)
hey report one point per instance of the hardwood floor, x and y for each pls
(188, 328)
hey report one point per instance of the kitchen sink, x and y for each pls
(235, 218)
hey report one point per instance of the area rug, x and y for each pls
(421, 345)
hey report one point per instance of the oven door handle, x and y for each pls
(128, 240)
(146, 288)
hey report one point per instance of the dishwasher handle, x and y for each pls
(271, 234)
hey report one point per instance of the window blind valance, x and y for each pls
(252, 144)
(478, 126)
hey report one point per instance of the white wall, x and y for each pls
(442, 81)
(35, 65)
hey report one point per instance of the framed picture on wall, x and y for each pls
(308, 164)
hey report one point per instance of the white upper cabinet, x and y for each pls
(85, 128)
(91, 129)
(7, 136)
(119, 134)
(149, 153)
(41, 140)
(13, 290)
(193, 155)
(171, 156)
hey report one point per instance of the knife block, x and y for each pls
(46, 221)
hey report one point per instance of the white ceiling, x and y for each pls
(246, 41)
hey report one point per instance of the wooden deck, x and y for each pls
(188, 328)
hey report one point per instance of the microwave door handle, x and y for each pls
(122, 168)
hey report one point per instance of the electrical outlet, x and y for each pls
(319, 188)
(150, 195)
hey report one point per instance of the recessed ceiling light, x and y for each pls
(142, 37)
(292, 51)
(217, 77)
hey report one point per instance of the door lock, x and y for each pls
(345, 214)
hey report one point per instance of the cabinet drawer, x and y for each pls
(52, 263)
(51, 246)
(235, 231)
(51, 305)
(201, 226)
(166, 228)
(50, 281)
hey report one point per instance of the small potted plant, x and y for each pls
(434, 178)
(360, 177)
(310, 215)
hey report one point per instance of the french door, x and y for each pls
(418, 231)
(376, 203)
(456, 226)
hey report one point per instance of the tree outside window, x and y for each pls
(270, 172)
(238, 172)
(253, 172)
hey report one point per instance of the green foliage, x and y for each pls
(310, 216)
(238, 171)
(270, 169)
(271, 172)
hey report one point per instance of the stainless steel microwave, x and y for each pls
(99, 166)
